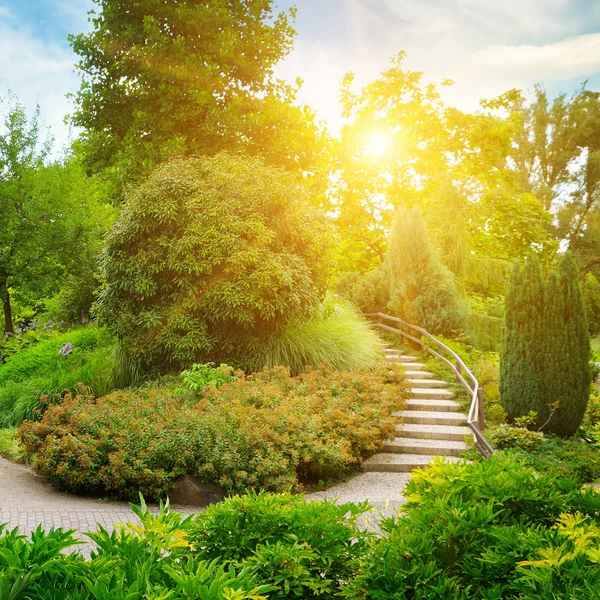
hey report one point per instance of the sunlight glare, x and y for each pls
(378, 145)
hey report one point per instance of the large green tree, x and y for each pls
(51, 215)
(209, 258)
(163, 79)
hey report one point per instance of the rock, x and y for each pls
(190, 491)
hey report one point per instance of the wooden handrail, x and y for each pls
(475, 418)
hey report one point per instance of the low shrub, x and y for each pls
(10, 447)
(558, 457)
(482, 530)
(506, 436)
(265, 431)
(335, 333)
(40, 374)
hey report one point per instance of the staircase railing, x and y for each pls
(475, 418)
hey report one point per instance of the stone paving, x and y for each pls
(28, 500)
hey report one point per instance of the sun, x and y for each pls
(378, 144)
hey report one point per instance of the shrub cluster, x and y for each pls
(483, 531)
(265, 431)
(208, 258)
(40, 374)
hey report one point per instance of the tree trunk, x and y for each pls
(5, 296)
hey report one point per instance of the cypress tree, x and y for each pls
(571, 376)
(422, 289)
(521, 361)
(544, 359)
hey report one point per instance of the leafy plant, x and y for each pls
(209, 258)
(264, 431)
(197, 377)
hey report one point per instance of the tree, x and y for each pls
(49, 212)
(545, 352)
(422, 290)
(164, 79)
(208, 259)
(522, 361)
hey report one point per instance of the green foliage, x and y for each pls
(39, 374)
(467, 531)
(335, 333)
(265, 431)
(10, 447)
(306, 549)
(506, 436)
(546, 348)
(202, 82)
(422, 290)
(208, 259)
(370, 292)
(51, 216)
(557, 457)
(591, 296)
(197, 377)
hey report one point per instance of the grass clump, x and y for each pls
(266, 431)
(336, 333)
(40, 374)
(10, 446)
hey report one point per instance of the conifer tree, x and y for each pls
(571, 377)
(521, 365)
(545, 353)
(422, 289)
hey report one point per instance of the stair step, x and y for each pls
(393, 352)
(433, 432)
(426, 383)
(401, 358)
(427, 417)
(413, 366)
(414, 374)
(398, 463)
(424, 446)
(431, 393)
(432, 405)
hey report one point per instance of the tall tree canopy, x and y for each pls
(49, 212)
(189, 77)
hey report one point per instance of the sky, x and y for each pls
(485, 46)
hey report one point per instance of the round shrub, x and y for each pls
(210, 257)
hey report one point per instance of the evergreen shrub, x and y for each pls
(370, 292)
(422, 289)
(546, 348)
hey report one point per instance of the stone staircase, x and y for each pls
(432, 425)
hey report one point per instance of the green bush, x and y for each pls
(335, 333)
(422, 289)
(546, 348)
(37, 375)
(468, 531)
(558, 457)
(208, 259)
(483, 531)
(506, 436)
(265, 431)
(370, 292)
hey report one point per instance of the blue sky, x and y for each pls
(486, 46)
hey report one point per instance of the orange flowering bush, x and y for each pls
(265, 431)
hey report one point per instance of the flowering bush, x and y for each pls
(265, 431)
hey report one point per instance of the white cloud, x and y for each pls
(575, 57)
(38, 71)
(5, 12)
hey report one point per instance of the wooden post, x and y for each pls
(480, 415)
